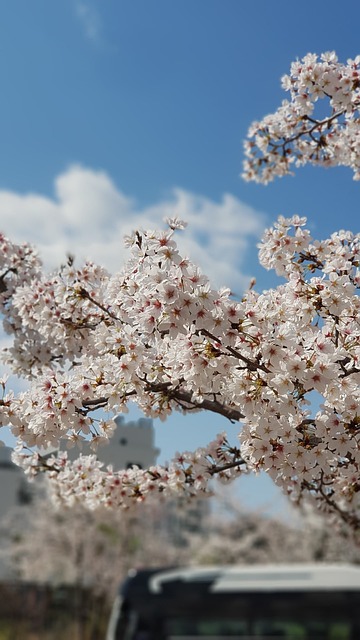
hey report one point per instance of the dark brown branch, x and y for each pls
(253, 366)
(78, 325)
(179, 395)
(348, 518)
(231, 465)
(85, 294)
(96, 402)
(318, 124)
(349, 372)
(3, 285)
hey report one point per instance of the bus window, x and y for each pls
(180, 628)
(285, 630)
(303, 630)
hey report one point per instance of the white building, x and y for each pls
(14, 488)
(133, 443)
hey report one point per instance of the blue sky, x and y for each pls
(115, 113)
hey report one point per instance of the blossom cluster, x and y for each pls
(158, 335)
(84, 481)
(301, 132)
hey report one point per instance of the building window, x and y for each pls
(133, 464)
(24, 495)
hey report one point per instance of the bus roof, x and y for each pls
(230, 579)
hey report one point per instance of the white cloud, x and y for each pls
(89, 19)
(89, 215)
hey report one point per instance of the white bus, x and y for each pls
(291, 602)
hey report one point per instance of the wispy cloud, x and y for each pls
(90, 20)
(89, 215)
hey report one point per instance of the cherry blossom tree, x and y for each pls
(94, 550)
(236, 535)
(158, 335)
(90, 550)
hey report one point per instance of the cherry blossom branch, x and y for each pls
(322, 490)
(318, 124)
(252, 366)
(310, 79)
(231, 465)
(83, 293)
(179, 344)
(180, 395)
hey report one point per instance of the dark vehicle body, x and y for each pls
(291, 602)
